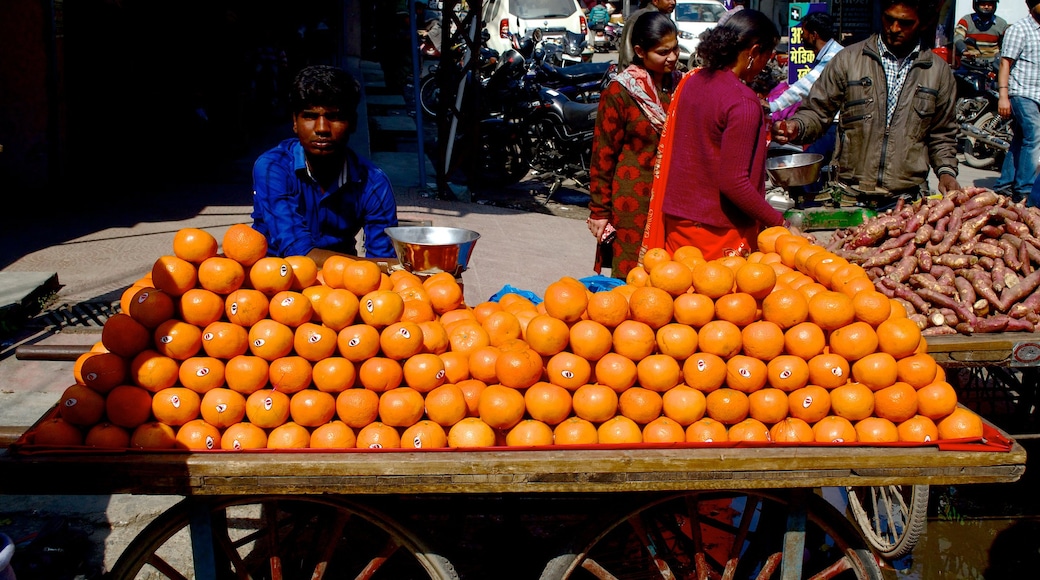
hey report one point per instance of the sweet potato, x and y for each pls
(955, 261)
(963, 312)
(900, 290)
(903, 269)
(980, 280)
(883, 258)
(1022, 309)
(996, 275)
(941, 209)
(924, 259)
(992, 231)
(926, 280)
(1020, 291)
(923, 234)
(965, 292)
(938, 331)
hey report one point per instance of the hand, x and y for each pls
(785, 131)
(1004, 107)
(948, 183)
(597, 227)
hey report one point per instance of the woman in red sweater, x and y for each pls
(714, 171)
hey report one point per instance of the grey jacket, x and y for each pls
(923, 132)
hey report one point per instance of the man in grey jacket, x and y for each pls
(896, 103)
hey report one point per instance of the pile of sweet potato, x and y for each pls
(969, 262)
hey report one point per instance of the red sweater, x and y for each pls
(717, 174)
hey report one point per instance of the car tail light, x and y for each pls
(503, 28)
(584, 25)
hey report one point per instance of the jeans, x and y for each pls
(1019, 170)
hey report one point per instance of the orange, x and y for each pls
(706, 430)
(471, 389)
(828, 370)
(194, 245)
(749, 429)
(854, 341)
(314, 342)
(852, 401)
(704, 371)
(176, 406)
(128, 406)
(896, 403)
(898, 337)
(400, 340)
(826, 268)
(435, 337)
(575, 431)
(846, 274)
(245, 306)
(658, 372)
(357, 407)
(153, 435)
(290, 435)
(918, 429)
(633, 339)
(917, 369)
(358, 342)
(304, 271)
(200, 307)
(246, 373)
(566, 301)
(174, 275)
(767, 238)
(270, 340)
(481, 363)
(713, 279)
(762, 339)
(876, 370)
(960, 424)
(361, 276)
(594, 402)
(804, 340)
(456, 366)
(787, 372)
(291, 308)
(424, 372)
(811, 289)
(608, 308)
(338, 309)
(221, 275)
(727, 406)
(177, 339)
(619, 429)
(530, 433)
(733, 262)
(786, 245)
(740, 308)
(683, 404)
(745, 374)
(693, 309)
(501, 326)
(401, 407)
(640, 404)
(153, 371)
(243, 436)
(446, 405)
(655, 256)
(675, 278)
(201, 373)
(151, 307)
(616, 371)
(81, 405)
(445, 295)
(802, 255)
(792, 430)
(651, 306)
(482, 310)
(876, 430)
(501, 407)
(756, 280)
(936, 400)
(548, 335)
(380, 308)
(290, 374)
(678, 341)
(466, 336)
(222, 407)
(809, 403)
(785, 307)
(267, 408)
(101, 371)
(688, 253)
(471, 432)
(380, 374)
(768, 405)
(834, 429)
(333, 374)
(548, 403)
(333, 435)
(378, 435)
(125, 336)
(591, 340)
(898, 310)
(663, 430)
(57, 431)
(516, 303)
(244, 244)
(270, 275)
(719, 337)
(831, 310)
(225, 340)
(424, 434)
(198, 435)
(518, 369)
(568, 370)
(333, 268)
(856, 285)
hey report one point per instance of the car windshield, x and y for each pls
(694, 12)
(528, 9)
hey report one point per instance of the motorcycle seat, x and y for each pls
(577, 73)
(581, 116)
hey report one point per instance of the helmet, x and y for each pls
(976, 5)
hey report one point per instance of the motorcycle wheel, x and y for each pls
(978, 154)
(430, 95)
(503, 158)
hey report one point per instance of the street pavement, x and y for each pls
(97, 252)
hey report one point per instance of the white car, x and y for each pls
(522, 17)
(692, 18)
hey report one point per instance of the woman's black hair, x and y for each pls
(719, 46)
(326, 86)
(649, 29)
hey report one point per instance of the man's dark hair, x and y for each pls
(926, 9)
(326, 86)
(819, 23)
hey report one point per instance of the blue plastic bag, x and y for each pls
(600, 283)
(507, 289)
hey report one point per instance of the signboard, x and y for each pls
(800, 56)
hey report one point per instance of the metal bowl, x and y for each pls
(428, 250)
(794, 170)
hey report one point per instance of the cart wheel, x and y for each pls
(891, 518)
(277, 538)
(724, 534)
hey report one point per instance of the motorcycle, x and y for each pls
(429, 85)
(984, 137)
(579, 82)
(567, 50)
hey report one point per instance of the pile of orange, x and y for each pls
(228, 348)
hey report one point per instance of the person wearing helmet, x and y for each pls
(978, 35)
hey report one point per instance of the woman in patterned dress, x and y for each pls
(632, 111)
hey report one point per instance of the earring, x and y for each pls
(749, 61)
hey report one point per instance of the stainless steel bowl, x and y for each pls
(428, 250)
(794, 170)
